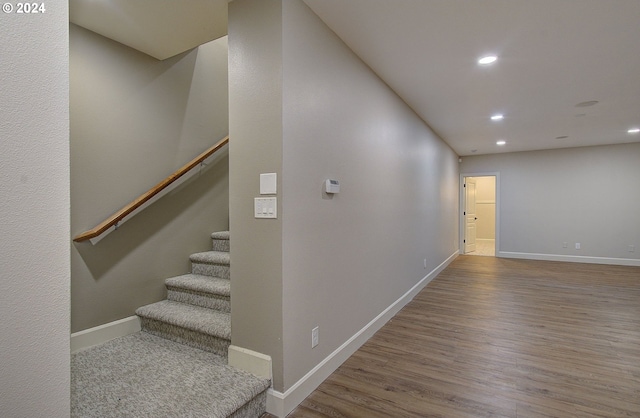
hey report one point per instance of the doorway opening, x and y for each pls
(479, 212)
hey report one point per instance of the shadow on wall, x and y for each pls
(106, 254)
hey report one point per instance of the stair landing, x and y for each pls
(142, 375)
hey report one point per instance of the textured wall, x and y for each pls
(587, 195)
(255, 124)
(34, 214)
(304, 106)
(347, 258)
(135, 120)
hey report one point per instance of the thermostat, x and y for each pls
(332, 186)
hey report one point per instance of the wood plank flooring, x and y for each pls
(493, 337)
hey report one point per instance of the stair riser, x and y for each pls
(216, 345)
(221, 245)
(254, 408)
(213, 270)
(219, 303)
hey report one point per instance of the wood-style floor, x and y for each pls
(493, 337)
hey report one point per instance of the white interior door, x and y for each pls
(470, 215)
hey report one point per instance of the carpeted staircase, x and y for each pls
(197, 309)
(184, 372)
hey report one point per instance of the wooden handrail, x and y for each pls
(145, 197)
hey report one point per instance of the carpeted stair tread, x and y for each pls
(220, 241)
(200, 283)
(142, 375)
(211, 257)
(220, 235)
(194, 318)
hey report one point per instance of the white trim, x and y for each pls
(101, 334)
(250, 361)
(281, 404)
(571, 258)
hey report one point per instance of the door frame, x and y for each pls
(461, 228)
(468, 241)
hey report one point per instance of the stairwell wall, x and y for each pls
(34, 213)
(135, 120)
(339, 261)
(255, 126)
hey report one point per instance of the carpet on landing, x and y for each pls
(141, 375)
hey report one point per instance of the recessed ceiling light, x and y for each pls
(633, 130)
(497, 116)
(587, 104)
(489, 59)
(501, 142)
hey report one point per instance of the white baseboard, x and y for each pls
(101, 334)
(250, 361)
(571, 258)
(281, 404)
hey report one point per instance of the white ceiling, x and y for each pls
(160, 28)
(553, 54)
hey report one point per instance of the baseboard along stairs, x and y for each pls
(177, 365)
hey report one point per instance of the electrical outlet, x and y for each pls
(577, 245)
(565, 244)
(632, 248)
(314, 337)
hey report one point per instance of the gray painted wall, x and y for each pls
(135, 120)
(588, 195)
(334, 262)
(255, 132)
(34, 213)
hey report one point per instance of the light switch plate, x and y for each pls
(268, 183)
(265, 207)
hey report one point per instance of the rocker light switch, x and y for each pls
(265, 207)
